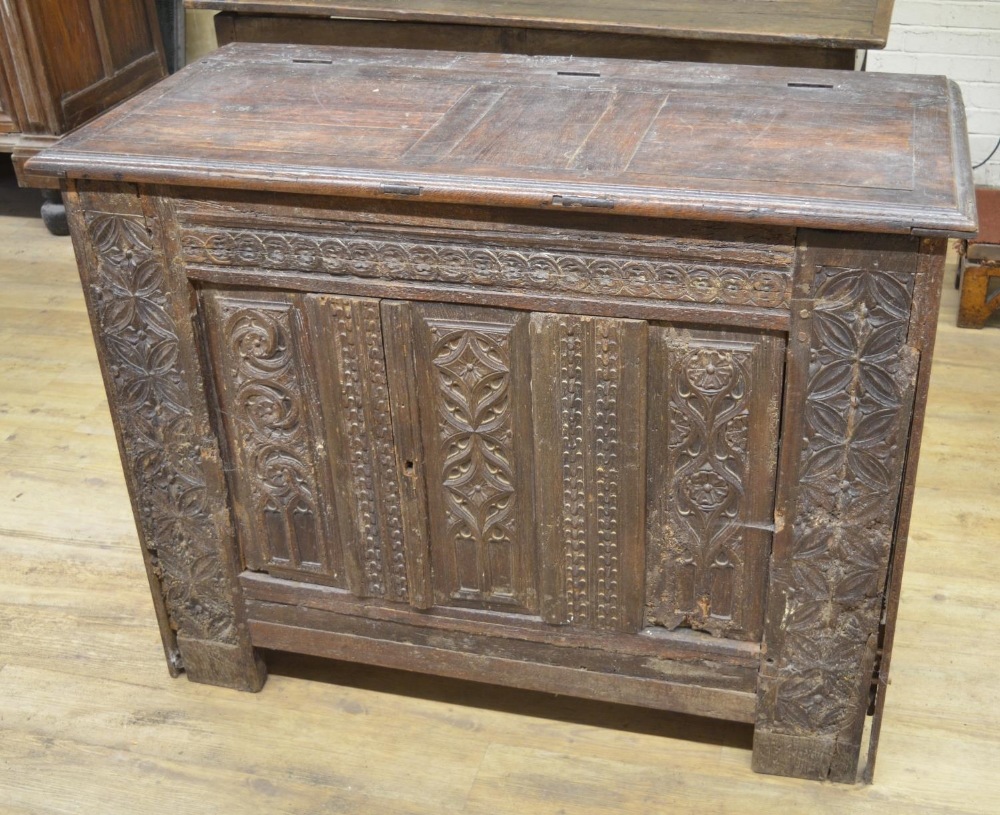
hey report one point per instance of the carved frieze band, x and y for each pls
(827, 589)
(702, 579)
(524, 269)
(472, 369)
(184, 523)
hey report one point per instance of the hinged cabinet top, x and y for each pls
(834, 23)
(826, 149)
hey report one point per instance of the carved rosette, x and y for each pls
(183, 525)
(858, 400)
(707, 456)
(606, 275)
(472, 366)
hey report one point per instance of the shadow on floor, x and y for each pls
(510, 700)
(14, 200)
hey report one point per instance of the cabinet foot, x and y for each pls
(54, 213)
(820, 758)
(230, 665)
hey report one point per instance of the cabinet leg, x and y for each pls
(816, 757)
(54, 213)
(231, 665)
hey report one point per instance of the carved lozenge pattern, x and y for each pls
(857, 404)
(533, 270)
(473, 377)
(183, 523)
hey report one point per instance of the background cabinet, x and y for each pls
(64, 61)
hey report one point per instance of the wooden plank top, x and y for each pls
(826, 149)
(831, 23)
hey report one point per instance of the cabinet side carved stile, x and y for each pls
(140, 314)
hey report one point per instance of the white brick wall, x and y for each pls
(960, 39)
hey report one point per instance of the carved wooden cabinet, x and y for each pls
(64, 61)
(803, 33)
(603, 378)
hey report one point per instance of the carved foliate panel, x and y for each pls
(304, 401)
(268, 408)
(830, 561)
(589, 377)
(182, 512)
(474, 380)
(713, 447)
(707, 281)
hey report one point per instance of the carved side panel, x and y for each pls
(851, 373)
(713, 425)
(473, 373)
(589, 391)
(171, 459)
(269, 407)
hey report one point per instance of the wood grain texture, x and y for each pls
(62, 63)
(524, 38)
(401, 124)
(93, 723)
(852, 24)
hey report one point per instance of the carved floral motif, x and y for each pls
(472, 366)
(181, 520)
(606, 275)
(857, 404)
(709, 409)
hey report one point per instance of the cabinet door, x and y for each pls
(304, 413)
(525, 435)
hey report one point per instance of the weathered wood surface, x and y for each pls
(850, 24)
(580, 501)
(546, 133)
(93, 723)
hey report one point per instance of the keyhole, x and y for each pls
(408, 468)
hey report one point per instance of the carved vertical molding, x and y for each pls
(361, 414)
(170, 457)
(588, 392)
(848, 409)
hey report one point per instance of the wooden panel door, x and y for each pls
(525, 435)
(304, 412)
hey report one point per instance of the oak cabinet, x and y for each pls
(486, 366)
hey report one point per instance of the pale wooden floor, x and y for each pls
(90, 722)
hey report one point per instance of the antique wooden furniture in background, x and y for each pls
(61, 63)
(980, 264)
(602, 378)
(804, 33)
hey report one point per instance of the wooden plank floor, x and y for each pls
(90, 722)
